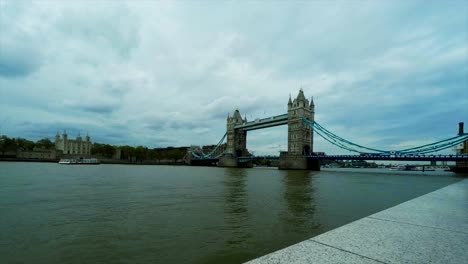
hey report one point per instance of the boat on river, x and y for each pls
(91, 161)
(399, 167)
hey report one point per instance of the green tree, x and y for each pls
(103, 150)
(175, 154)
(7, 144)
(127, 152)
(25, 144)
(45, 143)
(140, 153)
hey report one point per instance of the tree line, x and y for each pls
(13, 144)
(139, 153)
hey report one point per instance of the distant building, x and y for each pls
(38, 153)
(77, 146)
(462, 148)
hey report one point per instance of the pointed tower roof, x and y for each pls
(312, 101)
(237, 114)
(289, 102)
(300, 96)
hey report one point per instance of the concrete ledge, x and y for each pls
(432, 228)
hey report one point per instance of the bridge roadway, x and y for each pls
(370, 157)
(264, 123)
(392, 157)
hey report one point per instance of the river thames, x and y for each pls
(52, 213)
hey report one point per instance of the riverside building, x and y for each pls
(76, 146)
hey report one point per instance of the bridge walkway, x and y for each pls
(432, 228)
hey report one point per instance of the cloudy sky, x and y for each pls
(387, 74)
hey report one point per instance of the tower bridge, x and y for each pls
(301, 128)
(300, 135)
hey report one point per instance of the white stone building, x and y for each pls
(77, 146)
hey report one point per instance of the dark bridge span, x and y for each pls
(360, 157)
(391, 157)
(369, 157)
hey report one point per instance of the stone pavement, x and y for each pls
(432, 228)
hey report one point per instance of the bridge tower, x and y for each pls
(300, 141)
(300, 135)
(236, 145)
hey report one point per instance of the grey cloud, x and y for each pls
(375, 73)
(105, 26)
(99, 109)
(37, 130)
(164, 124)
(19, 61)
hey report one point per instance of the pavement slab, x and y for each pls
(394, 242)
(309, 252)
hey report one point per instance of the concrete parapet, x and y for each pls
(297, 162)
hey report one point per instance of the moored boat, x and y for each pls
(91, 161)
(399, 167)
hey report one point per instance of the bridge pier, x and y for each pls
(233, 162)
(300, 136)
(228, 161)
(297, 162)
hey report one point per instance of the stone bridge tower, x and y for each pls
(300, 135)
(236, 145)
(236, 138)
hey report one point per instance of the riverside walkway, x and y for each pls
(432, 228)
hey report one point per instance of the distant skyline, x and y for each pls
(385, 74)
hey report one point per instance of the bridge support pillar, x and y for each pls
(297, 162)
(300, 136)
(233, 162)
(228, 161)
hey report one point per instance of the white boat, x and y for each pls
(442, 168)
(80, 161)
(429, 168)
(398, 167)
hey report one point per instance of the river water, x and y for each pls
(52, 213)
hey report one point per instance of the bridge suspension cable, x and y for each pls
(209, 155)
(318, 126)
(335, 142)
(216, 148)
(441, 145)
(350, 146)
(446, 142)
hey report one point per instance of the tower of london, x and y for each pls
(76, 146)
